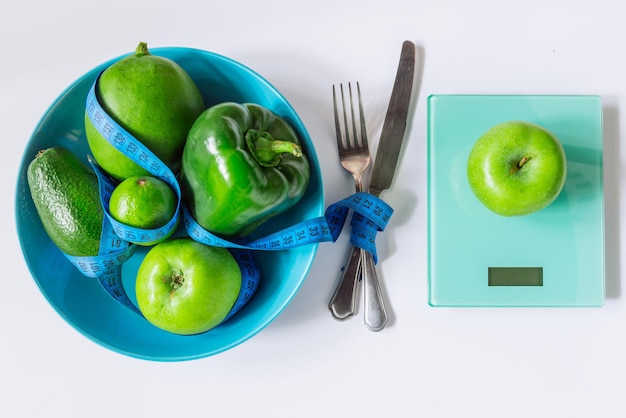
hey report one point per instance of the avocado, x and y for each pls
(66, 196)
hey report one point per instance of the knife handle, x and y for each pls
(375, 315)
(343, 303)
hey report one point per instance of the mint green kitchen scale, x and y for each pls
(551, 258)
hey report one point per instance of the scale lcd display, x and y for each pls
(515, 276)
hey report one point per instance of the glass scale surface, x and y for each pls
(551, 258)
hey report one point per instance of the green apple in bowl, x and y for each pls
(516, 168)
(185, 287)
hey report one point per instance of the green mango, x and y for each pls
(155, 100)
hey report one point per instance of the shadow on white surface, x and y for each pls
(611, 130)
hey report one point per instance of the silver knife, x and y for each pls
(394, 127)
(391, 138)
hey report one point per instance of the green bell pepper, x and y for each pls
(241, 165)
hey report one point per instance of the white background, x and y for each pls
(429, 362)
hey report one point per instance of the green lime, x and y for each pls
(143, 202)
(155, 100)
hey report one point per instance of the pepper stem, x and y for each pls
(268, 151)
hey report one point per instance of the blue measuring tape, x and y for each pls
(124, 142)
(106, 267)
(371, 215)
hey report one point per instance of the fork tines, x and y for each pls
(346, 137)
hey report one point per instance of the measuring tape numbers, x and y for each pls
(370, 216)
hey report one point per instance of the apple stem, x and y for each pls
(522, 162)
(517, 167)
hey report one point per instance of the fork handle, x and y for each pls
(343, 303)
(375, 314)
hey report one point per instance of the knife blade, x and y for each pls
(394, 127)
(385, 163)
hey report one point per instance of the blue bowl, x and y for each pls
(84, 304)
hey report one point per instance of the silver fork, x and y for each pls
(355, 158)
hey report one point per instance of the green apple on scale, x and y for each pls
(516, 168)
